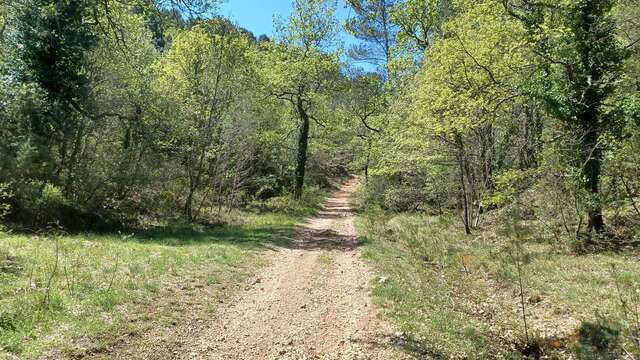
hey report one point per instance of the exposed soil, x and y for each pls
(312, 302)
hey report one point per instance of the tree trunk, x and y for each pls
(366, 171)
(366, 162)
(530, 132)
(487, 153)
(77, 143)
(464, 195)
(188, 205)
(600, 59)
(303, 141)
(591, 172)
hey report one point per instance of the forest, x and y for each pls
(153, 153)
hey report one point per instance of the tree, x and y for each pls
(419, 21)
(53, 45)
(202, 75)
(466, 91)
(298, 68)
(123, 75)
(4, 12)
(581, 64)
(365, 100)
(372, 25)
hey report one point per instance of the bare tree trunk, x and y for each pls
(464, 200)
(470, 179)
(630, 194)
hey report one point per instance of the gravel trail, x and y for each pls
(311, 303)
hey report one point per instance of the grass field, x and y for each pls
(75, 294)
(458, 296)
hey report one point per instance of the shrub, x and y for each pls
(370, 194)
(509, 185)
(311, 200)
(266, 187)
(598, 340)
(403, 198)
(400, 193)
(40, 204)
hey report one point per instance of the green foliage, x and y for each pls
(419, 21)
(52, 44)
(598, 340)
(311, 25)
(468, 76)
(403, 198)
(203, 75)
(50, 202)
(509, 185)
(5, 207)
(497, 111)
(581, 64)
(45, 203)
(138, 113)
(518, 117)
(300, 69)
(371, 23)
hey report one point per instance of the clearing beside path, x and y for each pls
(311, 303)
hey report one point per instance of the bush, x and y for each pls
(266, 187)
(39, 204)
(49, 205)
(403, 198)
(369, 194)
(400, 193)
(598, 340)
(509, 185)
(312, 198)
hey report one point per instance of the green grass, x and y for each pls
(78, 293)
(457, 296)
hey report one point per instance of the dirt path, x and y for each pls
(311, 303)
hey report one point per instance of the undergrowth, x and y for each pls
(480, 296)
(307, 205)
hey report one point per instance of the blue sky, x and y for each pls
(257, 15)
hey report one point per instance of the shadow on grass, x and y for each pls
(406, 344)
(416, 348)
(265, 236)
(324, 239)
(270, 236)
(607, 242)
